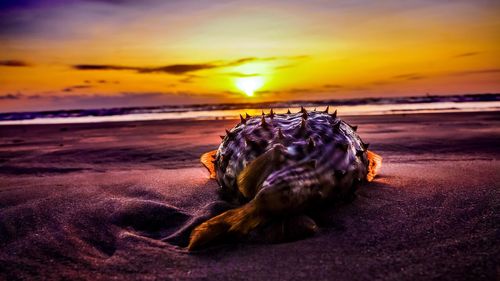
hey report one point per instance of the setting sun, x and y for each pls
(249, 84)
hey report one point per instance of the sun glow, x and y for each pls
(249, 84)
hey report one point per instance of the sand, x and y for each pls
(117, 201)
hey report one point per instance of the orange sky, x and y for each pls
(91, 53)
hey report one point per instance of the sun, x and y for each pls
(249, 84)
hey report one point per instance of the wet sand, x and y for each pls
(117, 201)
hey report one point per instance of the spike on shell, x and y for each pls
(302, 110)
(334, 114)
(310, 144)
(222, 137)
(242, 120)
(229, 134)
(326, 109)
(302, 125)
(288, 111)
(263, 122)
(271, 114)
(247, 116)
(354, 128)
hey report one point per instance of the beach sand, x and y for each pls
(117, 201)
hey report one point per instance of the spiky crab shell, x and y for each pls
(318, 137)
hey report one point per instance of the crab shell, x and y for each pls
(313, 147)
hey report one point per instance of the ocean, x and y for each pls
(347, 107)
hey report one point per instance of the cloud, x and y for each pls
(181, 69)
(189, 78)
(75, 87)
(241, 75)
(316, 91)
(14, 63)
(478, 71)
(468, 54)
(333, 86)
(102, 67)
(285, 66)
(178, 69)
(391, 80)
(292, 91)
(56, 101)
(175, 69)
(19, 96)
(295, 61)
(359, 88)
(265, 59)
(101, 81)
(10, 96)
(409, 76)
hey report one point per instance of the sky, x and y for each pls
(109, 53)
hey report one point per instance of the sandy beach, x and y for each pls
(118, 200)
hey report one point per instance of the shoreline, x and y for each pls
(236, 118)
(122, 115)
